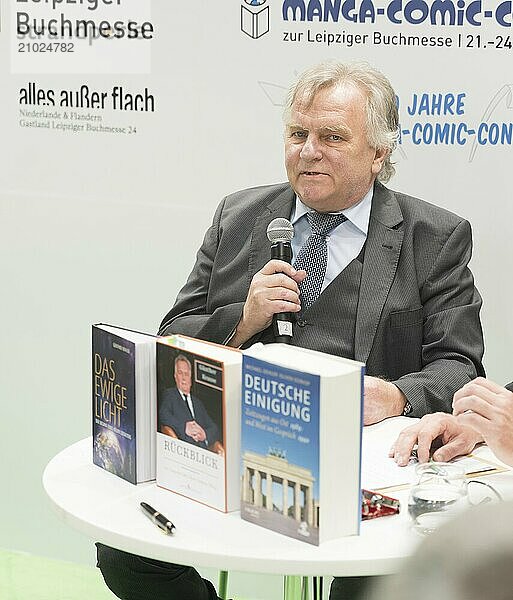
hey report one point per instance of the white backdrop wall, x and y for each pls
(104, 226)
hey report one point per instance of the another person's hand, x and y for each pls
(217, 447)
(487, 408)
(381, 400)
(438, 429)
(274, 289)
(195, 431)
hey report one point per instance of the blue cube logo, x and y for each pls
(254, 18)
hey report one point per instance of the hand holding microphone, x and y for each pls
(280, 233)
(273, 290)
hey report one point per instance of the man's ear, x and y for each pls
(379, 158)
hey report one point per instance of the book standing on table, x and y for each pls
(301, 427)
(124, 402)
(198, 431)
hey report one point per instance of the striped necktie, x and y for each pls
(313, 255)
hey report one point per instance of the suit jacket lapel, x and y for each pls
(382, 250)
(259, 253)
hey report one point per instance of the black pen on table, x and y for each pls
(158, 518)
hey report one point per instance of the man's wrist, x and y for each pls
(238, 336)
(399, 402)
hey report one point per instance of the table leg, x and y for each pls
(223, 584)
(295, 588)
(317, 585)
(304, 589)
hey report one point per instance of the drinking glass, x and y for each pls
(439, 493)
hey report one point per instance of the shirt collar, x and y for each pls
(358, 214)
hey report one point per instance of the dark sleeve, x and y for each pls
(190, 315)
(168, 415)
(452, 345)
(205, 420)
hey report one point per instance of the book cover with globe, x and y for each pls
(123, 402)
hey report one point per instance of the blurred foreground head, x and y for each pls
(470, 558)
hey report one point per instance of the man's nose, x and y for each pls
(311, 149)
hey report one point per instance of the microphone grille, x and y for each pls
(280, 230)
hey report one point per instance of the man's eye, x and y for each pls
(335, 138)
(299, 134)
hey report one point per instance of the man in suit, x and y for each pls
(397, 292)
(183, 416)
(482, 412)
(378, 276)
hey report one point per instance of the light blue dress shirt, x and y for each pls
(345, 242)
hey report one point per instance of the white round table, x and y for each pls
(107, 509)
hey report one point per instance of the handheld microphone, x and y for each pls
(279, 233)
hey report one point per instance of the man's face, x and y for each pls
(330, 164)
(183, 377)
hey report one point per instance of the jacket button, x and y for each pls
(301, 322)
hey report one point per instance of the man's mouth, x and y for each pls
(312, 173)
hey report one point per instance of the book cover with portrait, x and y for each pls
(123, 402)
(301, 423)
(198, 407)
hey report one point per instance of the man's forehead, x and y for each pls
(329, 121)
(181, 365)
(330, 107)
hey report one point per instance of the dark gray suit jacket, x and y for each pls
(174, 412)
(417, 320)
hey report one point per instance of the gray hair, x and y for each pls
(381, 107)
(183, 358)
